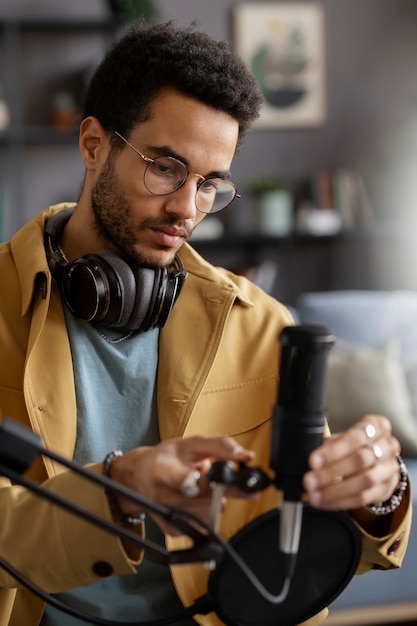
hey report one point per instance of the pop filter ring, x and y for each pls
(328, 556)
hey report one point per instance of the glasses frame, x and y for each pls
(149, 161)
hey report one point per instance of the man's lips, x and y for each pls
(170, 236)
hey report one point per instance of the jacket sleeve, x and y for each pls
(387, 551)
(54, 548)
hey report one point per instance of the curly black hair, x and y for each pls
(148, 58)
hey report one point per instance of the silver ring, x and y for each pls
(189, 486)
(376, 449)
(370, 431)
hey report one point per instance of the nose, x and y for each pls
(181, 202)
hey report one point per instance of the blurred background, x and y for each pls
(339, 146)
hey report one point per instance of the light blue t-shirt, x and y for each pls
(116, 410)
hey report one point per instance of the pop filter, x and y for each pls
(328, 556)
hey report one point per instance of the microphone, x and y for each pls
(317, 552)
(297, 424)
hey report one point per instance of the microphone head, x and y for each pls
(298, 418)
(303, 366)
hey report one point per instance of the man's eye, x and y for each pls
(210, 185)
(163, 168)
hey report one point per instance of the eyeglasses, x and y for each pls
(165, 174)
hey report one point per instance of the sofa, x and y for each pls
(373, 368)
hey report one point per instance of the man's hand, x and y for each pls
(158, 472)
(352, 469)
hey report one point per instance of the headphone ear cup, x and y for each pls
(122, 289)
(147, 296)
(100, 287)
(157, 292)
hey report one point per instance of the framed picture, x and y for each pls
(283, 46)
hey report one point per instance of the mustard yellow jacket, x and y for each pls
(218, 372)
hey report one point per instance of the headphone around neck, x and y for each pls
(105, 289)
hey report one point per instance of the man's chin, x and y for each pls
(155, 261)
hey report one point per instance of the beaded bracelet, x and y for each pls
(389, 506)
(132, 520)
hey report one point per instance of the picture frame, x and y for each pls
(283, 44)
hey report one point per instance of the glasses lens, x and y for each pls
(214, 194)
(164, 175)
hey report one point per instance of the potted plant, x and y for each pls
(273, 205)
(130, 10)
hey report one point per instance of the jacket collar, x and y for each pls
(197, 265)
(30, 266)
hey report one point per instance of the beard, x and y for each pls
(114, 219)
(113, 216)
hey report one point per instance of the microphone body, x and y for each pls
(298, 423)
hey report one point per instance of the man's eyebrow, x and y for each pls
(168, 151)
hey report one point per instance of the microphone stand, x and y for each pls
(19, 446)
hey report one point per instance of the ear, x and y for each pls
(94, 143)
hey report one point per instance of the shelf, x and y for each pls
(255, 241)
(40, 57)
(34, 135)
(54, 25)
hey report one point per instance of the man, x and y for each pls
(89, 363)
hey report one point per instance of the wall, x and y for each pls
(371, 82)
(371, 123)
(371, 126)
